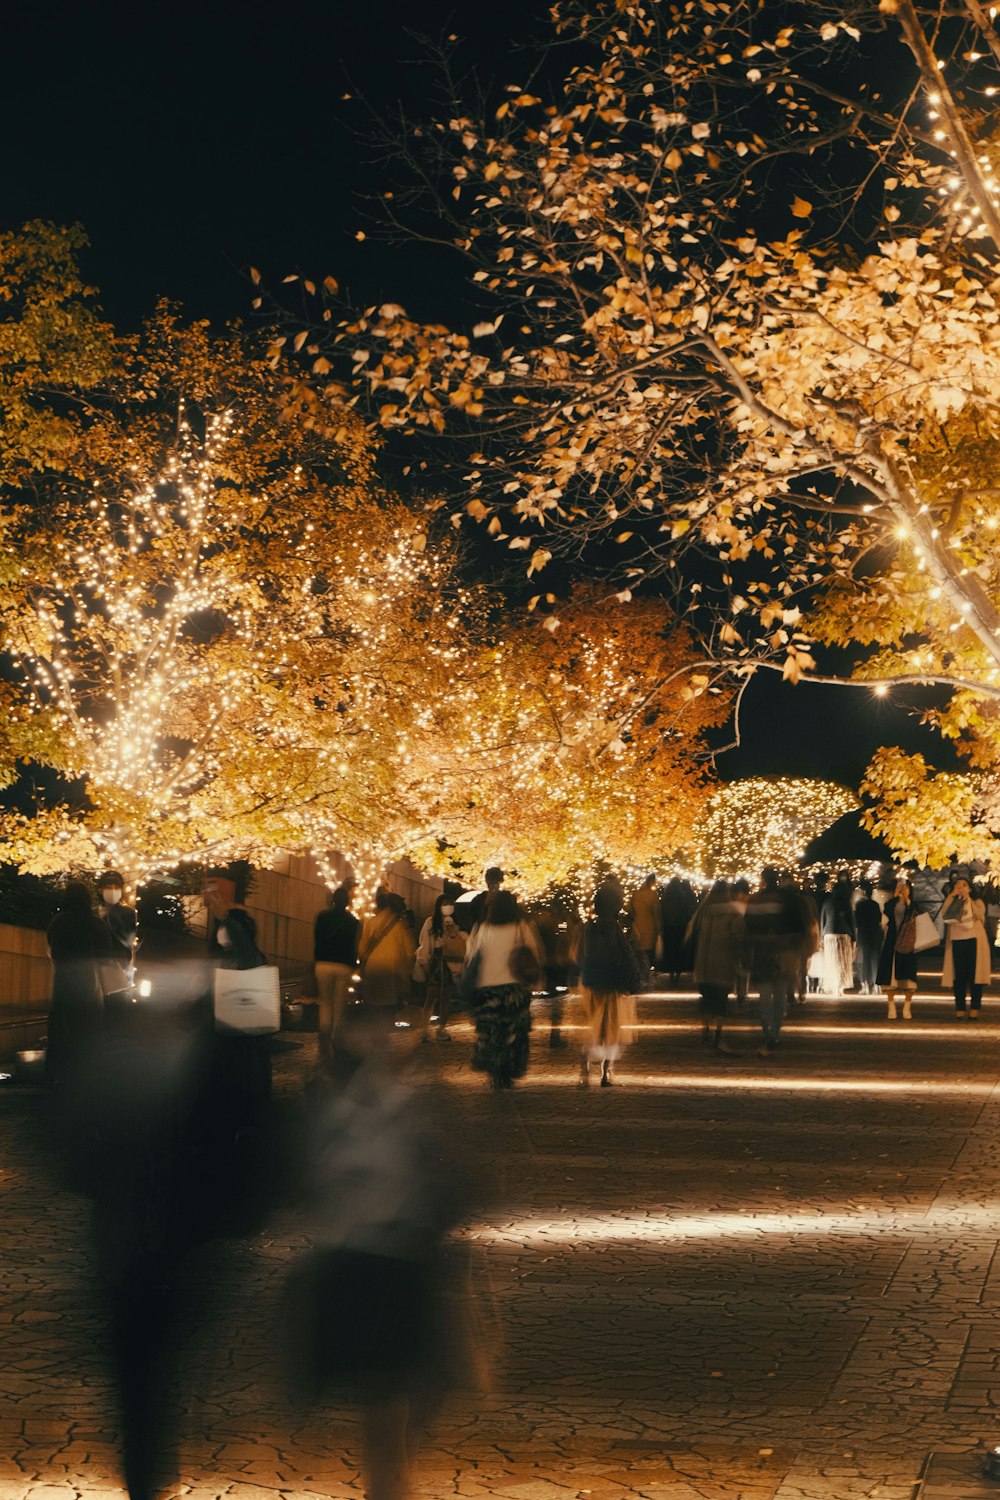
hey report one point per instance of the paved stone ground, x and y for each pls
(722, 1279)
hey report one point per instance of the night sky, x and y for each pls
(193, 141)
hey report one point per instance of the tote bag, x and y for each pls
(925, 934)
(248, 1000)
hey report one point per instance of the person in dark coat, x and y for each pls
(609, 978)
(868, 923)
(335, 954)
(79, 945)
(897, 966)
(122, 923)
(774, 933)
(677, 907)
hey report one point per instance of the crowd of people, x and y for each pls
(178, 1126)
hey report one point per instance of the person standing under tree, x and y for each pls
(440, 956)
(967, 966)
(868, 923)
(335, 953)
(609, 979)
(122, 923)
(774, 933)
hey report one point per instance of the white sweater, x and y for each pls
(496, 944)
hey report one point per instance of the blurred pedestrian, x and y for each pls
(241, 1063)
(868, 924)
(644, 914)
(363, 1313)
(335, 952)
(716, 932)
(740, 894)
(385, 956)
(773, 935)
(677, 906)
(503, 962)
(967, 964)
(80, 947)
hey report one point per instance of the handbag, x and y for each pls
(524, 963)
(925, 933)
(248, 1000)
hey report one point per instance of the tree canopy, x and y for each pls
(739, 292)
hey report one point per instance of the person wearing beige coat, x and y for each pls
(967, 963)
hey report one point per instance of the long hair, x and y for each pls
(502, 910)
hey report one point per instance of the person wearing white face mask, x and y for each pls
(122, 923)
(440, 956)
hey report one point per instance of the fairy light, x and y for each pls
(757, 822)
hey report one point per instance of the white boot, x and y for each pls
(891, 1015)
(907, 1012)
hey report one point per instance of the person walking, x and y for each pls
(897, 965)
(494, 878)
(967, 965)
(677, 906)
(440, 958)
(739, 893)
(868, 925)
(838, 929)
(644, 912)
(242, 1060)
(773, 934)
(502, 963)
(609, 978)
(80, 948)
(335, 953)
(716, 932)
(385, 956)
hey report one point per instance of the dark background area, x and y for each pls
(192, 141)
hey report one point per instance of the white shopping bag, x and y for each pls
(248, 1000)
(925, 934)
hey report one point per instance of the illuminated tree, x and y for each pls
(228, 638)
(756, 822)
(214, 629)
(576, 740)
(739, 298)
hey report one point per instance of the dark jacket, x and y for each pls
(775, 927)
(837, 916)
(336, 937)
(607, 959)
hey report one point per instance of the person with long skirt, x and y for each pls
(609, 979)
(497, 969)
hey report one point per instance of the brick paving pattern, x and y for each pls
(722, 1279)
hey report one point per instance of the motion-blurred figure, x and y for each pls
(120, 918)
(80, 948)
(363, 1311)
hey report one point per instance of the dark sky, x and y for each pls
(193, 140)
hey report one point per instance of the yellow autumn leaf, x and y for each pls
(801, 208)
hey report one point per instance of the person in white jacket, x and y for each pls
(502, 965)
(967, 966)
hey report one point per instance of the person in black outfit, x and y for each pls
(478, 904)
(677, 906)
(122, 924)
(335, 954)
(868, 923)
(79, 944)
